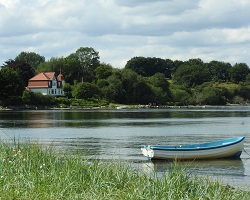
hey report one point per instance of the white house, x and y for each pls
(47, 83)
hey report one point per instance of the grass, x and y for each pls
(29, 171)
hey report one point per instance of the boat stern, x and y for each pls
(147, 151)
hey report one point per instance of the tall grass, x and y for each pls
(28, 171)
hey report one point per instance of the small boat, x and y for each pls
(121, 107)
(228, 148)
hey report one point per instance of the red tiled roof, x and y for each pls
(43, 76)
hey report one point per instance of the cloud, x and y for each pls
(122, 29)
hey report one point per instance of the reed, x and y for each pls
(30, 171)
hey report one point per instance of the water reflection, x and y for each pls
(118, 134)
(228, 171)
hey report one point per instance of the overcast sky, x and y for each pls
(122, 29)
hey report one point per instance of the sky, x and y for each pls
(122, 29)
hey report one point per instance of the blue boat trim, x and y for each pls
(203, 146)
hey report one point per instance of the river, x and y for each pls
(119, 134)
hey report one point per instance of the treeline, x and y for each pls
(142, 81)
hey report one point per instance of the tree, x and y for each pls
(137, 64)
(180, 96)
(26, 97)
(24, 70)
(169, 68)
(130, 81)
(32, 58)
(54, 64)
(239, 72)
(149, 66)
(114, 91)
(248, 79)
(72, 70)
(244, 91)
(89, 61)
(38, 99)
(195, 61)
(159, 80)
(176, 65)
(191, 75)
(101, 83)
(11, 85)
(214, 96)
(103, 71)
(67, 88)
(86, 90)
(160, 88)
(220, 71)
(210, 94)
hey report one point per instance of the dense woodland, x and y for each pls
(143, 80)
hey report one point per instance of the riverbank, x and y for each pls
(116, 106)
(30, 171)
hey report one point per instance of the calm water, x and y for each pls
(118, 134)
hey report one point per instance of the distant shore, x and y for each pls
(5, 108)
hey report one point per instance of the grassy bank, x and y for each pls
(31, 172)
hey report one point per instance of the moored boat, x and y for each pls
(227, 148)
(121, 107)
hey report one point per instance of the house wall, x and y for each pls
(51, 91)
(44, 91)
(46, 86)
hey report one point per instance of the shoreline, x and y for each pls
(10, 108)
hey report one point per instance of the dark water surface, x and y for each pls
(119, 134)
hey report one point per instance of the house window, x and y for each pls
(52, 91)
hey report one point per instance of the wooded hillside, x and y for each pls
(143, 80)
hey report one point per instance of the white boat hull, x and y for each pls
(227, 151)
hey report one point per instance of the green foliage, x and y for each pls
(32, 58)
(103, 71)
(89, 61)
(191, 75)
(92, 102)
(38, 99)
(159, 80)
(239, 72)
(150, 66)
(220, 71)
(52, 65)
(131, 83)
(26, 97)
(11, 86)
(102, 83)
(31, 171)
(113, 89)
(181, 96)
(62, 102)
(210, 95)
(67, 88)
(85, 90)
(244, 92)
(142, 81)
(23, 69)
(248, 79)
(159, 89)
